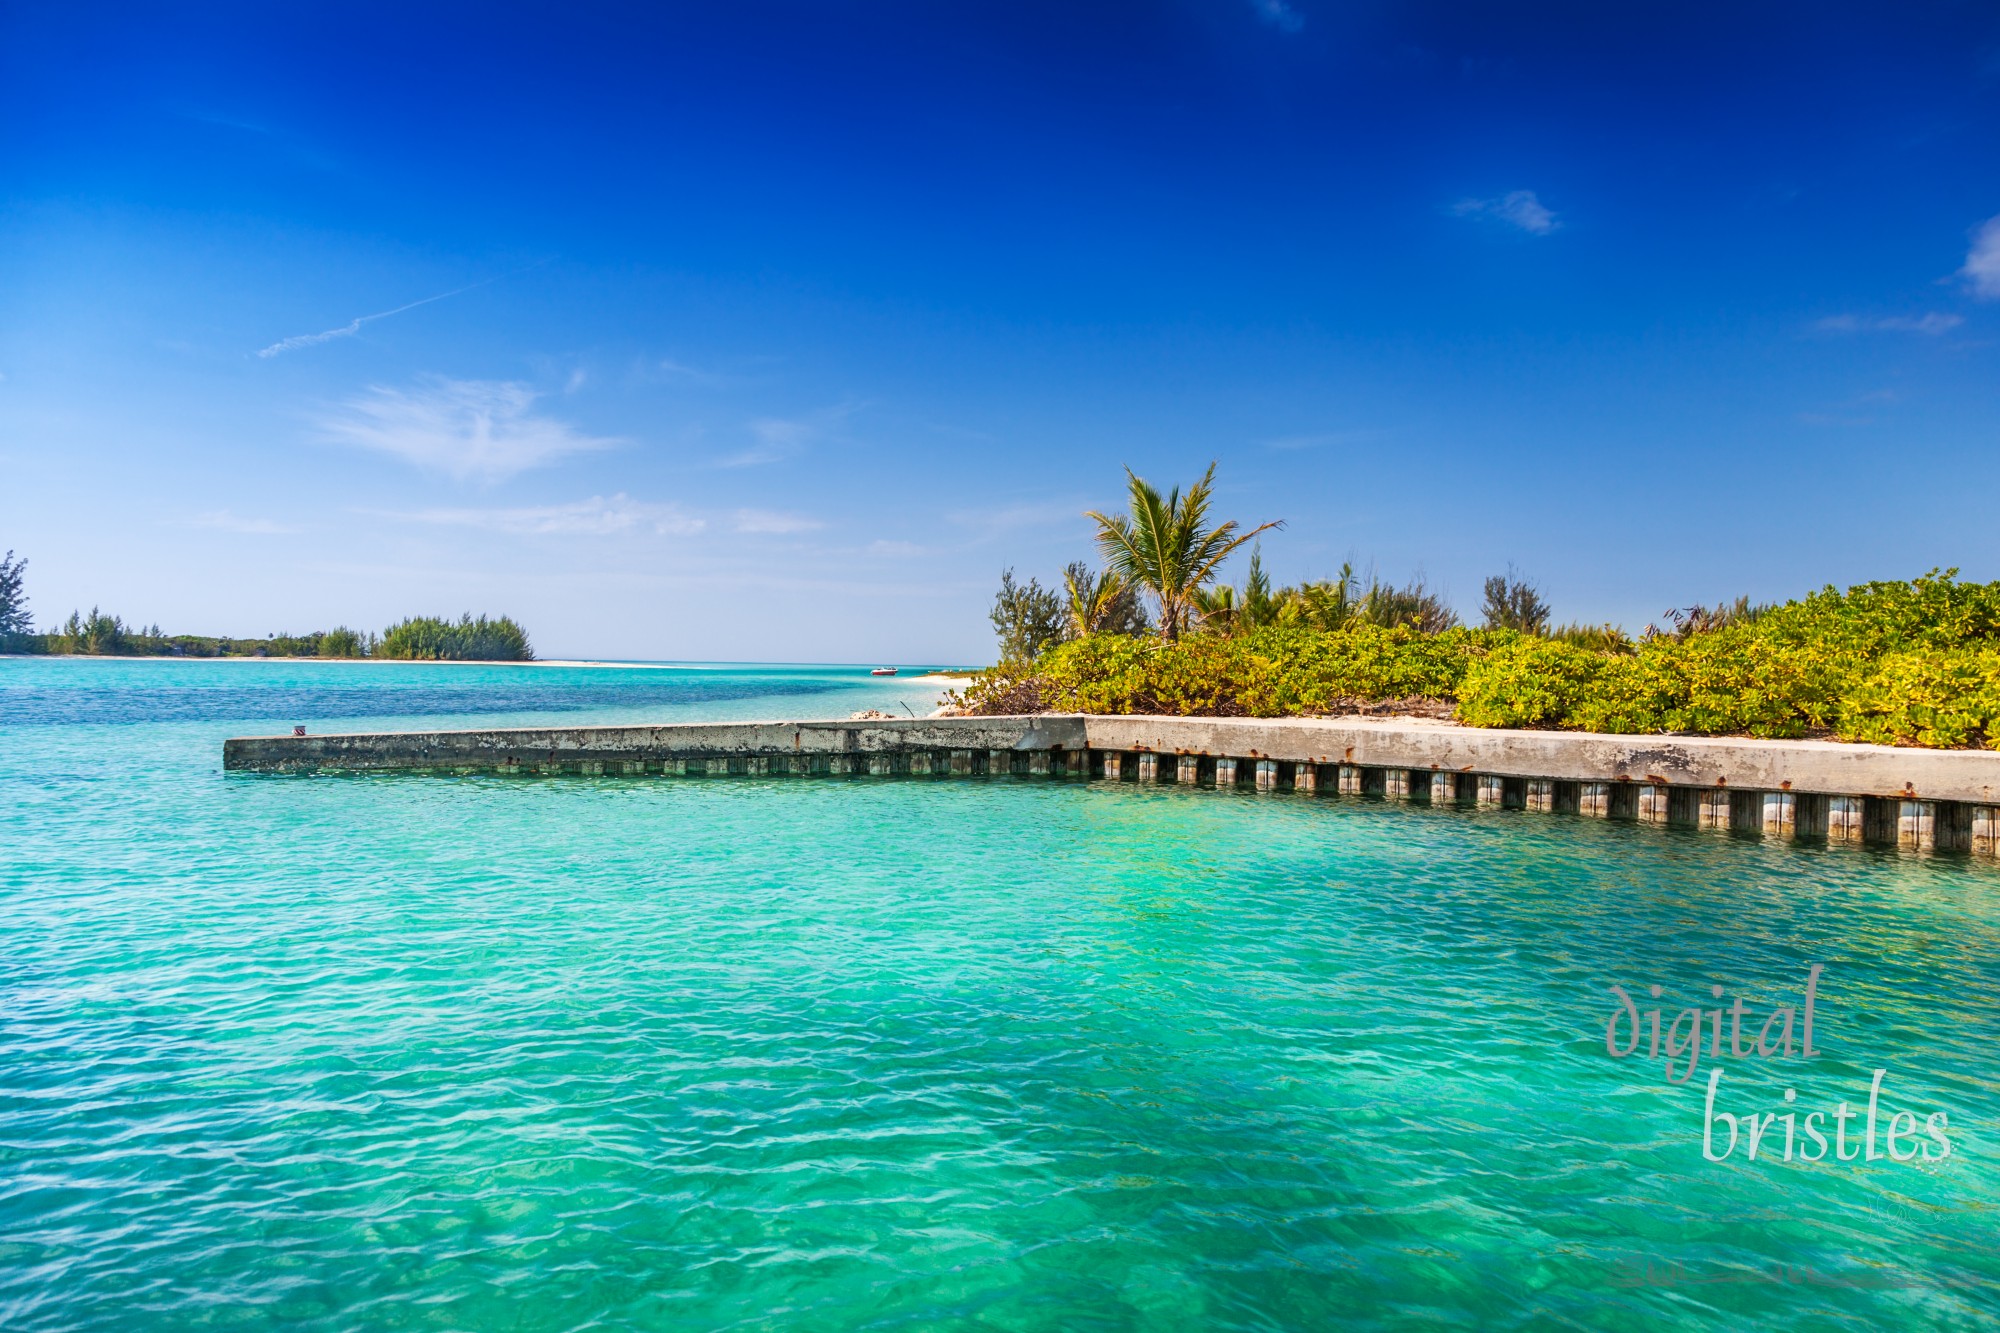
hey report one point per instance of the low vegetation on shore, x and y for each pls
(468, 639)
(96, 634)
(1902, 663)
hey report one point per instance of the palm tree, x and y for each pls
(1217, 609)
(1166, 546)
(1329, 604)
(1100, 603)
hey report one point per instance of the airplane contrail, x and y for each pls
(353, 327)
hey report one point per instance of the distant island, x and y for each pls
(416, 639)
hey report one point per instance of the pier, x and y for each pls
(1921, 800)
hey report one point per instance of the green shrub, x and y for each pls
(1631, 696)
(1734, 682)
(1205, 675)
(1926, 696)
(1009, 688)
(1599, 638)
(1531, 683)
(428, 638)
(1327, 672)
(343, 642)
(1272, 672)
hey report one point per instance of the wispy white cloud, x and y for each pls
(1934, 322)
(598, 516)
(616, 516)
(682, 373)
(995, 520)
(1516, 208)
(1982, 263)
(1854, 411)
(1279, 14)
(469, 429)
(774, 439)
(224, 521)
(775, 523)
(353, 326)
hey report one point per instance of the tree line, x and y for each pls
(98, 634)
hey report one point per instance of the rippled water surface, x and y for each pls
(481, 1053)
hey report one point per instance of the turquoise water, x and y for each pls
(398, 1052)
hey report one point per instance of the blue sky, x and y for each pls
(774, 331)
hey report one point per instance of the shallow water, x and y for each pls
(399, 1051)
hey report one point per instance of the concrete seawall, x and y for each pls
(1825, 767)
(1925, 799)
(698, 748)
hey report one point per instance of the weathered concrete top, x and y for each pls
(1702, 761)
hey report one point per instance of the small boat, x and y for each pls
(883, 671)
